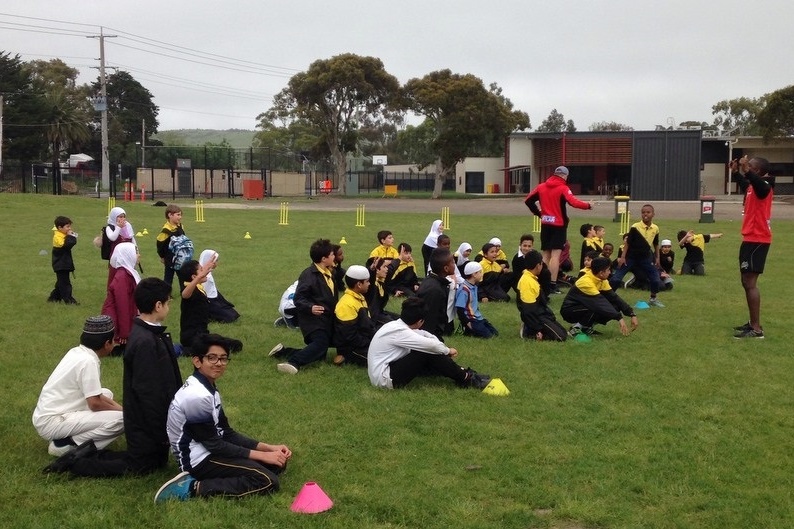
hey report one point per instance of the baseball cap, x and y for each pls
(561, 171)
(666, 242)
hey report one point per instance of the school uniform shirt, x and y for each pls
(62, 252)
(164, 238)
(197, 426)
(120, 302)
(387, 252)
(467, 304)
(395, 340)
(353, 326)
(435, 290)
(404, 278)
(643, 241)
(597, 296)
(315, 287)
(589, 244)
(667, 261)
(151, 378)
(695, 249)
(532, 303)
(194, 317)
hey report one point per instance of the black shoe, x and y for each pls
(749, 333)
(591, 331)
(475, 380)
(743, 328)
(86, 449)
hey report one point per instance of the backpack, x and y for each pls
(105, 246)
(181, 247)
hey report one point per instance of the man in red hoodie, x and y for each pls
(553, 195)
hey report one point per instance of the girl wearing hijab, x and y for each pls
(221, 310)
(462, 255)
(117, 231)
(120, 301)
(431, 242)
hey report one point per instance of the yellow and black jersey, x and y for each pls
(386, 252)
(695, 249)
(643, 240)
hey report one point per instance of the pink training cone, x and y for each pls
(311, 499)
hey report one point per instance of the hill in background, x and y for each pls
(237, 138)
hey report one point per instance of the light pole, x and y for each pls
(136, 155)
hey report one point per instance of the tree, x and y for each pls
(609, 126)
(23, 112)
(776, 118)
(556, 123)
(415, 144)
(739, 115)
(130, 107)
(66, 130)
(338, 96)
(464, 118)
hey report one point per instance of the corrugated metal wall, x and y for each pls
(666, 165)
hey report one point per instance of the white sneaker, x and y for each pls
(279, 322)
(276, 349)
(59, 451)
(287, 368)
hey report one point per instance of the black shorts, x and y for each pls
(752, 257)
(552, 237)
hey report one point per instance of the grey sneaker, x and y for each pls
(653, 302)
(276, 349)
(749, 333)
(279, 322)
(287, 368)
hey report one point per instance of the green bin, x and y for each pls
(621, 207)
(707, 209)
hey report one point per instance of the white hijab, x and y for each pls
(125, 256)
(209, 287)
(432, 238)
(114, 233)
(461, 250)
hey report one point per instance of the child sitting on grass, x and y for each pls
(537, 319)
(695, 246)
(221, 309)
(467, 304)
(385, 247)
(194, 318)
(403, 280)
(496, 278)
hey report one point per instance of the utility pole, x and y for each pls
(103, 107)
(1, 134)
(143, 142)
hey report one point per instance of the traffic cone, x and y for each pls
(247, 235)
(139, 234)
(496, 388)
(311, 499)
(343, 241)
(145, 231)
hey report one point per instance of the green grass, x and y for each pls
(676, 426)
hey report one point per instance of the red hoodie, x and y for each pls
(553, 195)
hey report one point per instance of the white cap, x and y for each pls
(496, 240)
(357, 272)
(666, 242)
(472, 267)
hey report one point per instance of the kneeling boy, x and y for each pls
(215, 460)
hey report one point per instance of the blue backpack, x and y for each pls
(182, 249)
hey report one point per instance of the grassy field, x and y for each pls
(677, 426)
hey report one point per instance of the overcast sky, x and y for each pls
(631, 61)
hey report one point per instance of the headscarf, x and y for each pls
(125, 233)
(125, 256)
(464, 246)
(432, 238)
(209, 286)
